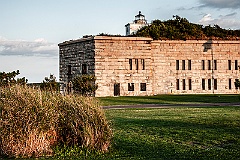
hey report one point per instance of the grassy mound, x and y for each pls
(33, 122)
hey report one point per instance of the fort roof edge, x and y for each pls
(146, 39)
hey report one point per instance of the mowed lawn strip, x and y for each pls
(168, 99)
(175, 133)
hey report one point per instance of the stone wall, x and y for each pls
(166, 54)
(112, 55)
(73, 55)
(119, 62)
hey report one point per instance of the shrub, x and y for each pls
(85, 85)
(50, 84)
(7, 79)
(33, 122)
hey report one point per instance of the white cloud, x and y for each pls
(35, 59)
(224, 21)
(39, 47)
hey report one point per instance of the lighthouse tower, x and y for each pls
(138, 23)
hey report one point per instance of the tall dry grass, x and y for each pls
(33, 122)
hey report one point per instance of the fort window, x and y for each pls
(84, 68)
(184, 84)
(209, 84)
(215, 84)
(136, 62)
(183, 64)
(189, 64)
(143, 64)
(130, 86)
(209, 64)
(143, 87)
(69, 69)
(236, 83)
(203, 84)
(190, 84)
(130, 64)
(203, 65)
(229, 83)
(229, 65)
(177, 84)
(177, 64)
(236, 64)
(69, 73)
(215, 64)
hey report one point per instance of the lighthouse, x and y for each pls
(137, 24)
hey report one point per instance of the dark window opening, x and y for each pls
(215, 84)
(183, 64)
(84, 68)
(136, 62)
(69, 67)
(209, 65)
(143, 87)
(229, 65)
(190, 84)
(215, 64)
(237, 83)
(130, 64)
(236, 64)
(130, 86)
(177, 84)
(203, 84)
(209, 84)
(117, 89)
(177, 64)
(230, 84)
(203, 65)
(189, 64)
(184, 84)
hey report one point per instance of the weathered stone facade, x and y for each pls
(129, 66)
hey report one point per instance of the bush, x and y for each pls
(33, 122)
(85, 85)
(50, 84)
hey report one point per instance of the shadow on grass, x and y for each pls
(170, 99)
(167, 139)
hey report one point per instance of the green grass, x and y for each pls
(176, 133)
(169, 99)
(170, 133)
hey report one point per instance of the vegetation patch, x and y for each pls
(34, 122)
(181, 29)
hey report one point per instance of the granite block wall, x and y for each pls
(130, 66)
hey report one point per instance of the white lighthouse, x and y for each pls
(138, 23)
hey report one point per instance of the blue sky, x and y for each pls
(31, 29)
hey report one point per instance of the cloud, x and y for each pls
(38, 47)
(233, 4)
(224, 21)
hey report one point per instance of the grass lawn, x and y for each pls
(176, 133)
(172, 133)
(169, 99)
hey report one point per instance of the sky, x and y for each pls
(30, 30)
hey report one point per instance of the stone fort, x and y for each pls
(139, 66)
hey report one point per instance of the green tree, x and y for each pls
(180, 28)
(50, 84)
(85, 85)
(7, 79)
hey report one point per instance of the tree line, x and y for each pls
(180, 28)
(83, 85)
